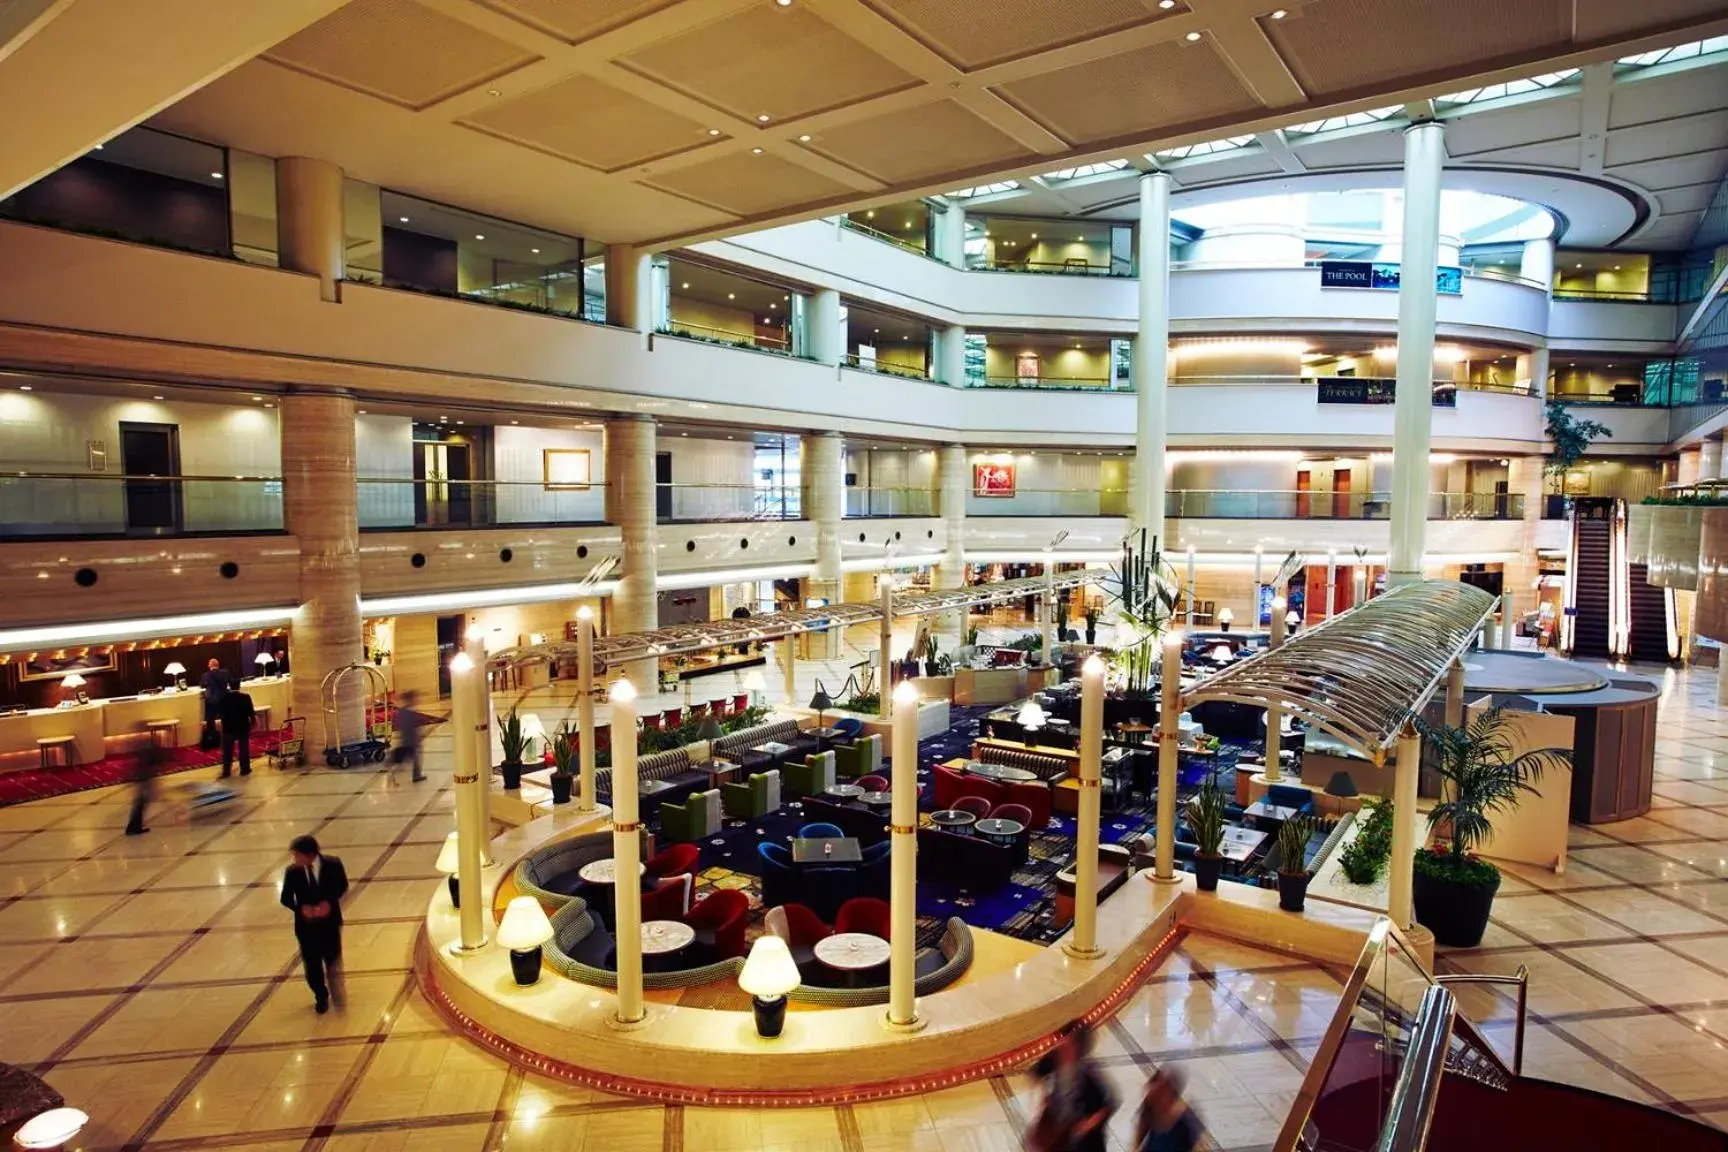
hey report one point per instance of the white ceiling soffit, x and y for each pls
(663, 122)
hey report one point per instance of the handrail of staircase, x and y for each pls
(1521, 978)
(1418, 1089)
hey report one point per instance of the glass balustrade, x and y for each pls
(1240, 504)
(884, 502)
(47, 505)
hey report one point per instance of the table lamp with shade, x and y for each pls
(820, 702)
(175, 671)
(1341, 787)
(756, 686)
(1292, 619)
(73, 684)
(523, 930)
(1030, 716)
(264, 660)
(1225, 619)
(709, 729)
(448, 865)
(533, 728)
(769, 973)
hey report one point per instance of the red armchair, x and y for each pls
(671, 718)
(1016, 812)
(800, 928)
(873, 783)
(674, 861)
(950, 786)
(863, 914)
(669, 900)
(719, 922)
(1035, 795)
(990, 790)
(976, 805)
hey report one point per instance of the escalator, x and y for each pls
(1613, 612)
(1402, 1069)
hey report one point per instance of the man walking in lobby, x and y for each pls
(215, 683)
(237, 714)
(312, 888)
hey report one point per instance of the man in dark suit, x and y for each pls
(215, 683)
(235, 711)
(312, 888)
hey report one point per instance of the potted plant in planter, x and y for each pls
(1293, 874)
(1091, 616)
(932, 662)
(563, 752)
(1206, 818)
(512, 740)
(1364, 858)
(1453, 889)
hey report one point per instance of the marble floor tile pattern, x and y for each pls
(154, 982)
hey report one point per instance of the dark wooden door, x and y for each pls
(150, 455)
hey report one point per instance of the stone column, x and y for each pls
(1401, 869)
(630, 444)
(309, 232)
(1536, 263)
(1538, 371)
(1689, 471)
(952, 484)
(1424, 152)
(626, 856)
(1525, 477)
(1274, 714)
(1150, 369)
(1455, 694)
(827, 339)
(1083, 941)
(950, 367)
(320, 508)
(467, 698)
(1709, 459)
(629, 288)
(1169, 753)
(824, 479)
(903, 859)
(951, 236)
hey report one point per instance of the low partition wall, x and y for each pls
(981, 1027)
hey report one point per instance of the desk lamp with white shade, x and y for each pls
(448, 864)
(769, 973)
(265, 661)
(177, 672)
(1225, 619)
(73, 685)
(523, 930)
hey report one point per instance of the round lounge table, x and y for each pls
(663, 941)
(1002, 773)
(877, 801)
(605, 871)
(845, 791)
(853, 955)
(997, 831)
(953, 820)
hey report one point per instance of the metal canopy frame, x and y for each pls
(1363, 674)
(688, 638)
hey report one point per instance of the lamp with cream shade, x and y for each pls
(1225, 619)
(174, 672)
(448, 864)
(533, 728)
(264, 661)
(1030, 715)
(769, 973)
(756, 686)
(523, 930)
(72, 684)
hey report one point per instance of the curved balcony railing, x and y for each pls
(867, 364)
(1051, 383)
(707, 334)
(1236, 504)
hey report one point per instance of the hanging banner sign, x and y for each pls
(1374, 390)
(1448, 281)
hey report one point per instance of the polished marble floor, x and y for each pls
(154, 982)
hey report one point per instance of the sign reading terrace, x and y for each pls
(1448, 281)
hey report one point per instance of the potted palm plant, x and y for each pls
(1091, 615)
(1480, 776)
(932, 662)
(1293, 874)
(563, 752)
(512, 740)
(1206, 818)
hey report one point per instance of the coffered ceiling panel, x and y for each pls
(1159, 87)
(1336, 46)
(577, 20)
(769, 61)
(399, 51)
(918, 142)
(743, 183)
(590, 122)
(1601, 18)
(958, 32)
(1669, 138)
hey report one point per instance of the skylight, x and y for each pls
(1679, 52)
(1204, 148)
(1086, 170)
(1507, 88)
(1349, 120)
(985, 189)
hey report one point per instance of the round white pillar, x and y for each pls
(824, 479)
(951, 236)
(1151, 367)
(951, 358)
(1401, 869)
(630, 446)
(952, 485)
(827, 337)
(629, 288)
(1424, 153)
(1536, 263)
(309, 230)
(1709, 459)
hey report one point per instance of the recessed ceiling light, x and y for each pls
(458, 421)
(360, 412)
(1279, 13)
(755, 151)
(1577, 265)
(713, 131)
(873, 330)
(155, 397)
(685, 285)
(536, 251)
(762, 118)
(257, 398)
(804, 139)
(1166, 4)
(515, 421)
(402, 219)
(772, 304)
(269, 405)
(27, 388)
(1616, 267)
(870, 214)
(784, 3)
(478, 236)
(1034, 235)
(216, 175)
(731, 296)
(493, 92)
(1191, 37)
(98, 148)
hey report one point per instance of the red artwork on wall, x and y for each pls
(993, 479)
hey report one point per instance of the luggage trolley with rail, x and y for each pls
(375, 704)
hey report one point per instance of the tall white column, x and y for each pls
(884, 642)
(1169, 750)
(952, 485)
(1709, 459)
(630, 447)
(827, 340)
(1539, 368)
(951, 236)
(626, 855)
(465, 720)
(1275, 714)
(310, 236)
(824, 479)
(950, 366)
(1536, 262)
(474, 643)
(1047, 611)
(1413, 411)
(1331, 584)
(585, 707)
(1455, 694)
(1689, 472)
(1507, 627)
(629, 288)
(1401, 869)
(1150, 368)
(1188, 616)
(903, 862)
(1083, 942)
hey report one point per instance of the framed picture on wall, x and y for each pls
(1577, 482)
(993, 480)
(54, 666)
(567, 470)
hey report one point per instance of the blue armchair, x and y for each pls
(874, 869)
(781, 882)
(1290, 796)
(820, 831)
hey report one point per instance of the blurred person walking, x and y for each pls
(312, 888)
(1165, 1122)
(1075, 1115)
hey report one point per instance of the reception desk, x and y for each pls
(121, 723)
(999, 685)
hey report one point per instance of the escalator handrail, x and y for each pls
(1521, 978)
(1292, 1136)
(1418, 1089)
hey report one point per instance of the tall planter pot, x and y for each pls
(561, 785)
(512, 772)
(1206, 871)
(1293, 891)
(1455, 911)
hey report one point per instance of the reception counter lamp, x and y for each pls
(447, 864)
(523, 930)
(769, 973)
(174, 672)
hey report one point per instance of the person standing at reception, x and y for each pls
(312, 888)
(216, 682)
(237, 715)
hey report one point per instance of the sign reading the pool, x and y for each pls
(1448, 281)
(992, 479)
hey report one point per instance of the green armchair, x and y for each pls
(755, 797)
(859, 758)
(697, 817)
(812, 777)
